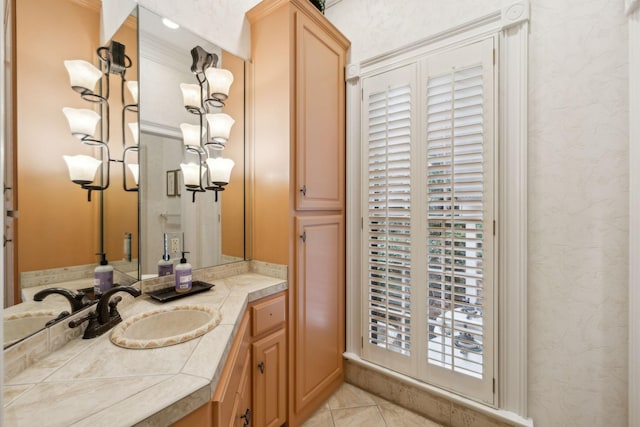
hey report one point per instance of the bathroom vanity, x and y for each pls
(209, 378)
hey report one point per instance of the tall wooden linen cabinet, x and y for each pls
(298, 151)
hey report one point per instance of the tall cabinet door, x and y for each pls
(320, 116)
(319, 312)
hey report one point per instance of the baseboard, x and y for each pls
(438, 405)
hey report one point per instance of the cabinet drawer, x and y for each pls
(268, 315)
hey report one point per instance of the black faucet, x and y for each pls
(106, 315)
(77, 300)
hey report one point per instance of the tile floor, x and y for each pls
(350, 406)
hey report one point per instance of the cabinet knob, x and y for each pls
(303, 236)
(303, 190)
(261, 367)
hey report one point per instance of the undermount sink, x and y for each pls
(165, 326)
(20, 325)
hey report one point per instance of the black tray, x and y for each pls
(170, 294)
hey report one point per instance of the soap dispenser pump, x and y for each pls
(183, 275)
(102, 276)
(165, 265)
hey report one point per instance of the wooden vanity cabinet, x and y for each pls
(252, 390)
(298, 146)
(231, 402)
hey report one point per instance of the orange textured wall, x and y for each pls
(271, 93)
(233, 197)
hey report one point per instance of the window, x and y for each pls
(428, 219)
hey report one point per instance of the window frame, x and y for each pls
(510, 26)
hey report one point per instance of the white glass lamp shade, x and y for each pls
(220, 170)
(219, 82)
(82, 74)
(191, 134)
(191, 173)
(82, 169)
(132, 85)
(82, 122)
(135, 171)
(133, 127)
(220, 127)
(191, 95)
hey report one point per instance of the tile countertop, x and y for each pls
(96, 383)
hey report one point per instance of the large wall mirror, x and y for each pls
(209, 225)
(58, 232)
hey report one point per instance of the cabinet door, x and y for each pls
(269, 380)
(242, 405)
(320, 118)
(319, 305)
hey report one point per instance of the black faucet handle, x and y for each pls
(60, 316)
(104, 303)
(79, 321)
(113, 311)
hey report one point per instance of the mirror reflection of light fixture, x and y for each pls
(219, 82)
(212, 133)
(219, 173)
(191, 174)
(132, 85)
(133, 127)
(191, 97)
(135, 171)
(84, 77)
(192, 134)
(219, 128)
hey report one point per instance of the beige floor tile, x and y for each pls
(365, 416)
(321, 418)
(396, 416)
(348, 396)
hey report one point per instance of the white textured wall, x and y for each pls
(578, 192)
(578, 213)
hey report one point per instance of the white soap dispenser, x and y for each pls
(102, 276)
(165, 265)
(183, 275)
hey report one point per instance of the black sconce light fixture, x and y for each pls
(84, 77)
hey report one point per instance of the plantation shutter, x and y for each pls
(459, 176)
(427, 219)
(388, 104)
